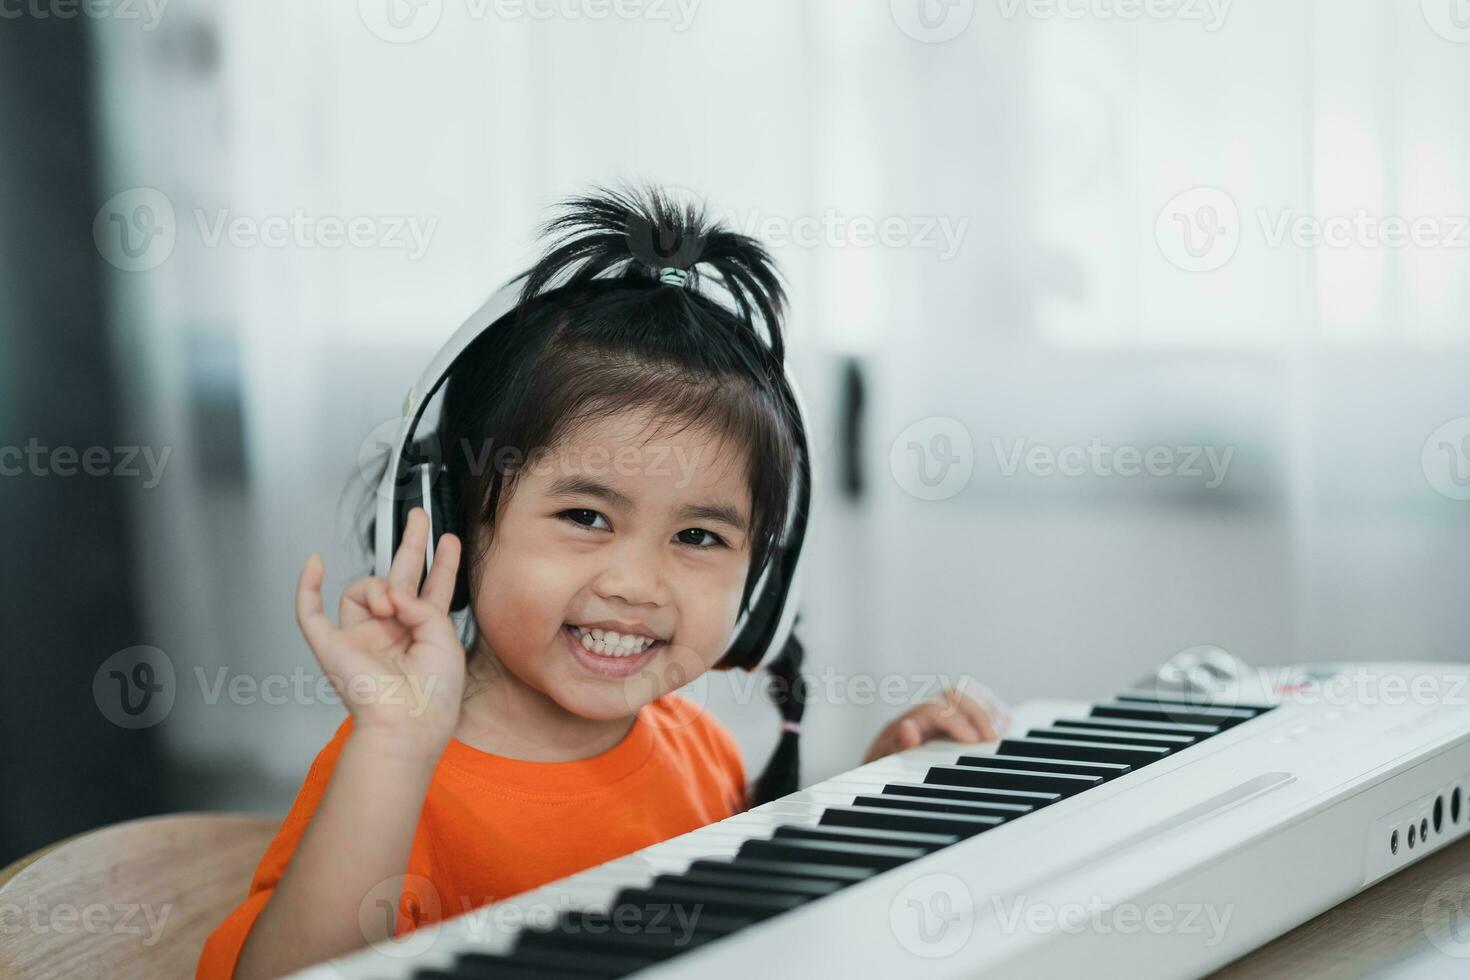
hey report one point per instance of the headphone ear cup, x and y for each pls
(444, 500)
(749, 646)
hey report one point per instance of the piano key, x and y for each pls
(606, 934)
(1124, 724)
(1067, 784)
(811, 887)
(592, 963)
(843, 874)
(1171, 742)
(632, 915)
(1170, 702)
(1133, 755)
(497, 967)
(1006, 811)
(929, 841)
(1180, 714)
(699, 899)
(1107, 770)
(878, 856)
(977, 795)
(915, 820)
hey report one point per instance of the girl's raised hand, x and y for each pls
(396, 659)
(953, 715)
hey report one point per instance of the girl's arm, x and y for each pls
(356, 846)
(393, 639)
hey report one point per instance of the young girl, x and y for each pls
(617, 455)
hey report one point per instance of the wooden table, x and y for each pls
(1413, 925)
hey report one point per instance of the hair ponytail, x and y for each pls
(787, 690)
(631, 234)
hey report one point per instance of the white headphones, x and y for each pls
(766, 626)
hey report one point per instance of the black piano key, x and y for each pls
(1006, 811)
(1124, 724)
(1172, 702)
(1107, 770)
(696, 900)
(810, 887)
(974, 795)
(879, 856)
(1171, 742)
(656, 921)
(1041, 748)
(555, 962)
(1065, 784)
(867, 835)
(607, 934)
(842, 873)
(1179, 714)
(502, 968)
(962, 825)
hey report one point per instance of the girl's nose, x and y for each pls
(632, 574)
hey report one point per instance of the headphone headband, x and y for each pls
(772, 611)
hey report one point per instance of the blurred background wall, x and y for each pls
(1208, 258)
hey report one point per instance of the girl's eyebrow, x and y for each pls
(574, 486)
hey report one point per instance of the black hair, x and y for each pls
(612, 318)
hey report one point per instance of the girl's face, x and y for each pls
(616, 565)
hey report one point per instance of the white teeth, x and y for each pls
(609, 643)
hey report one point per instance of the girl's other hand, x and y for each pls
(396, 659)
(952, 715)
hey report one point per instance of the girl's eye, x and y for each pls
(585, 517)
(700, 538)
(582, 517)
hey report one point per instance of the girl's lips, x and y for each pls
(613, 667)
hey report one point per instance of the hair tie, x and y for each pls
(671, 276)
(791, 726)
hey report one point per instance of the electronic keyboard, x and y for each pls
(1152, 834)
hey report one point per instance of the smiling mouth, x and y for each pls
(610, 643)
(608, 657)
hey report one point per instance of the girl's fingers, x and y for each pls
(315, 625)
(899, 734)
(408, 562)
(934, 719)
(427, 621)
(370, 594)
(439, 586)
(974, 713)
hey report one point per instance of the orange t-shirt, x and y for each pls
(493, 827)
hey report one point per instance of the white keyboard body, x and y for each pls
(1171, 870)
